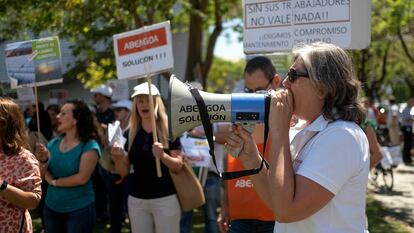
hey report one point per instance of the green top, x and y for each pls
(64, 164)
(370, 122)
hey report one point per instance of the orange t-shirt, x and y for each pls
(243, 201)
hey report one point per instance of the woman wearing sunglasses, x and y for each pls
(316, 182)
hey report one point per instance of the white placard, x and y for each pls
(278, 25)
(196, 150)
(120, 89)
(145, 51)
(25, 94)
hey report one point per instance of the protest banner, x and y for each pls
(279, 25)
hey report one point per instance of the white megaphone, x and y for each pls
(236, 108)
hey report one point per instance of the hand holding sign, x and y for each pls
(142, 53)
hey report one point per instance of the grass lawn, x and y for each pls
(380, 220)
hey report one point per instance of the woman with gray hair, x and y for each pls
(317, 183)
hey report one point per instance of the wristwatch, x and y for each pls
(3, 186)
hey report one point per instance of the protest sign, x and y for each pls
(145, 51)
(34, 62)
(195, 150)
(278, 25)
(58, 96)
(25, 95)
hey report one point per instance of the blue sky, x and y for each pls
(229, 47)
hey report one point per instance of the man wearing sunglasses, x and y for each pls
(242, 209)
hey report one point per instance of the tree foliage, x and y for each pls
(203, 33)
(90, 25)
(385, 68)
(224, 74)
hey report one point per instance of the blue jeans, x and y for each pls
(212, 195)
(251, 225)
(117, 197)
(78, 221)
(186, 222)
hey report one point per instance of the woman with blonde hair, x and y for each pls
(152, 202)
(19, 172)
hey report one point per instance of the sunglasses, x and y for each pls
(259, 89)
(292, 75)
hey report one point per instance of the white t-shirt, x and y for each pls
(337, 158)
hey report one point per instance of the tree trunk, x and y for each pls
(198, 68)
(195, 40)
(212, 42)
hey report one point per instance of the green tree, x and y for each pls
(206, 24)
(384, 63)
(224, 74)
(90, 25)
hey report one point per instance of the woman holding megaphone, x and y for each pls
(317, 182)
(152, 202)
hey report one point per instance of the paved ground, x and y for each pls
(401, 199)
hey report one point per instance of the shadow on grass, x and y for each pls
(382, 220)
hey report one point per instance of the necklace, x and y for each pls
(66, 146)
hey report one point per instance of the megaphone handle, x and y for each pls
(154, 126)
(249, 127)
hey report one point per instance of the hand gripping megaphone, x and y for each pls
(236, 108)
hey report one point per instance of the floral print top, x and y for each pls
(21, 171)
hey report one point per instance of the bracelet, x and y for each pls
(47, 160)
(3, 186)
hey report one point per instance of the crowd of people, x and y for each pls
(321, 145)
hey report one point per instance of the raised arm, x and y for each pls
(374, 147)
(121, 160)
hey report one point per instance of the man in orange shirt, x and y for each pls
(242, 209)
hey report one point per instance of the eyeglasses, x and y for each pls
(292, 75)
(248, 90)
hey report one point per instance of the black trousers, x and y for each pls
(408, 143)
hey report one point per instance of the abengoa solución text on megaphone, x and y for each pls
(235, 108)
